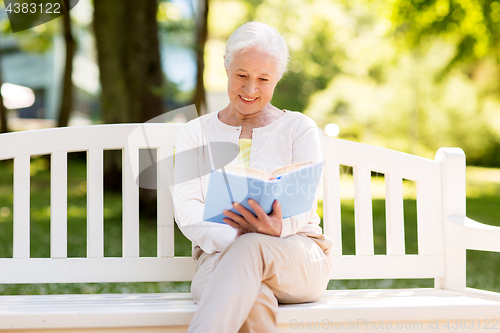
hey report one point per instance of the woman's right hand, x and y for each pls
(261, 222)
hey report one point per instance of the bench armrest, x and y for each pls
(469, 234)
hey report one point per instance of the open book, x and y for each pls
(294, 186)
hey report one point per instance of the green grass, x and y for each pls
(483, 204)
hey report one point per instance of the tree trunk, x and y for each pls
(129, 60)
(201, 39)
(67, 92)
(3, 111)
(130, 72)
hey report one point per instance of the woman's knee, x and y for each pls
(247, 249)
(251, 240)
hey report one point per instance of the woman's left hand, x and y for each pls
(262, 223)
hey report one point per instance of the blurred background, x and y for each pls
(410, 75)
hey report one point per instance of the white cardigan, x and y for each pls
(293, 138)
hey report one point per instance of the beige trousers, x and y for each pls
(238, 290)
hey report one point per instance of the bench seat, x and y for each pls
(339, 310)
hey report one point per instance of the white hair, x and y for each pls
(259, 37)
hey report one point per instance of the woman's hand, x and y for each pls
(262, 223)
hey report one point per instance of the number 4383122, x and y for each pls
(486, 324)
(47, 8)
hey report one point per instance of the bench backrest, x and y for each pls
(396, 166)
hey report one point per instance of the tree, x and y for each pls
(201, 27)
(3, 112)
(129, 60)
(126, 33)
(67, 90)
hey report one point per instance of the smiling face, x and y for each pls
(252, 77)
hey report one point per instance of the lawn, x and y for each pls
(483, 204)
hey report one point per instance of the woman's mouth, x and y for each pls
(248, 99)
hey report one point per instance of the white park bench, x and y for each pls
(444, 234)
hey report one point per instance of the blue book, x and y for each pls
(294, 186)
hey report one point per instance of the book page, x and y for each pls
(247, 172)
(290, 167)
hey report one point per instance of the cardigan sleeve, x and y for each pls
(306, 147)
(189, 202)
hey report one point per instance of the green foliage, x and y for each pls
(474, 23)
(37, 39)
(412, 75)
(315, 42)
(173, 27)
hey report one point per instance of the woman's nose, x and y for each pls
(250, 88)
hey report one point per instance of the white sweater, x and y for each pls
(293, 138)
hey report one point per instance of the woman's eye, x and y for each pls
(241, 75)
(264, 80)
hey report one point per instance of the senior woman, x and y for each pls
(245, 267)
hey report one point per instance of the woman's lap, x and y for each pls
(295, 267)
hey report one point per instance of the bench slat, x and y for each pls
(165, 204)
(95, 217)
(363, 211)
(429, 212)
(332, 225)
(59, 205)
(96, 270)
(348, 267)
(395, 229)
(379, 159)
(110, 136)
(21, 237)
(147, 269)
(130, 197)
